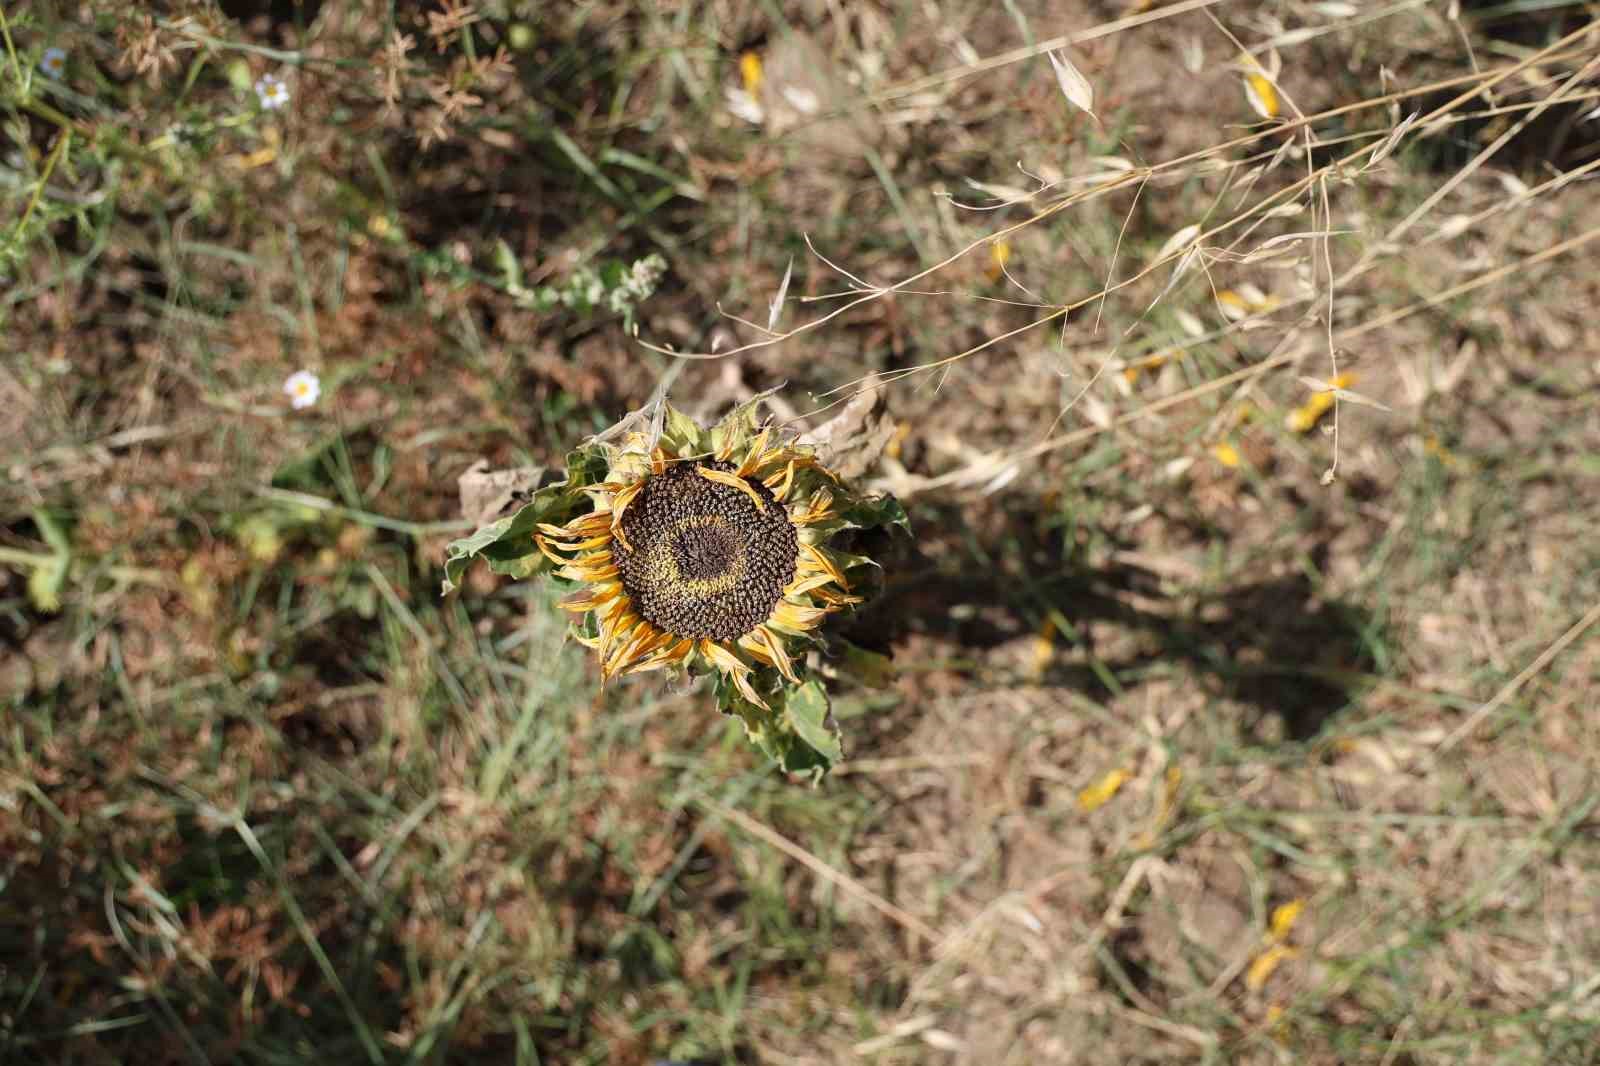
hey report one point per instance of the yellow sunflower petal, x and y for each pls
(796, 616)
(584, 570)
(733, 481)
(619, 504)
(548, 551)
(615, 622)
(808, 582)
(778, 457)
(664, 657)
(575, 546)
(781, 483)
(722, 658)
(646, 639)
(748, 691)
(587, 526)
(823, 563)
(594, 597)
(817, 509)
(780, 657)
(752, 459)
(757, 649)
(601, 494)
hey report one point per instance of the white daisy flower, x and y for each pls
(54, 62)
(302, 388)
(272, 91)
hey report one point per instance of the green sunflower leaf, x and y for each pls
(796, 732)
(586, 466)
(871, 668)
(807, 708)
(739, 424)
(507, 543)
(876, 512)
(683, 434)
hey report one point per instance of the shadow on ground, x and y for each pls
(1275, 645)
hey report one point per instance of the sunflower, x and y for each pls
(714, 551)
(709, 558)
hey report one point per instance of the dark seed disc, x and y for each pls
(704, 562)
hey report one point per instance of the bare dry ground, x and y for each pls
(1230, 723)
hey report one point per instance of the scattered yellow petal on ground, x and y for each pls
(1266, 962)
(1303, 419)
(1229, 298)
(1261, 94)
(1284, 916)
(1154, 362)
(751, 73)
(1099, 794)
(999, 256)
(1226, 454)
(1044, 647)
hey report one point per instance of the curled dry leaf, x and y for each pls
(486, 494)
(851, 441)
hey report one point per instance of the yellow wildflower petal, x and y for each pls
(1044, 647)
(1226, 454)
(896, 442)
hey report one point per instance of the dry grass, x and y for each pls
(1237, 719)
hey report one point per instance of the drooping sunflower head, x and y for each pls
(704, 549)
(713, 551)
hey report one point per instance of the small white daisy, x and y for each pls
(302, 388)
(53, 62)
(272, 91)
